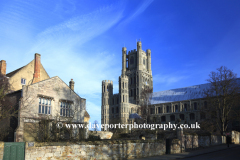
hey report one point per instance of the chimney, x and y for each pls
(37, 66)
(3, 67)
(71, 84)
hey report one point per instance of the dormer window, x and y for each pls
(23, 81)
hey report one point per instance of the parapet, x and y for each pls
(107, 81)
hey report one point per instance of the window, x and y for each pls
(192, 116)
(117, 100)
(44, 106)
(113, 101)
(117, 110)
(185, 107)
(195, 105)
(182, 116)
(23, 81)
(172, 118)
(167, 109)
(159, 110)
(176, 108)
(65, 109)
(143, 61)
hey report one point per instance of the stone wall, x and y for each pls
(1, 150)
(101, 150)
(195, 141)
(235, 137)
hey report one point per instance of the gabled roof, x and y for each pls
(13, 72)
(181, 94)
(86, 114)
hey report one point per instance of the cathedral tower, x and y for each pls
(139, 72)
(107, 93)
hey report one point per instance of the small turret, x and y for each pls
(124, 54)
(149, 60)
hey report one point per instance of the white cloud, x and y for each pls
(143, 6)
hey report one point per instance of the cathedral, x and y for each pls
(136, 74)
(184, 104)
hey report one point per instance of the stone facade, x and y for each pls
(38, 97)
(27, 73)
(136, 74)
(189, 111)
(54, 92)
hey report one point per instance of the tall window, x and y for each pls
(185, 107)
(144, 61)
(159, 110)
(65, 109)
(195, 105)
(176, 108)
(167, 109)
(117, 110)
(44, 106)
(23, 81)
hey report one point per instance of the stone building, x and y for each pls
(166, 106)
(136, 74)
(39, 97)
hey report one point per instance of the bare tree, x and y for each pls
(222, 95)
(145, 103)
(95, 123)
(8, 109)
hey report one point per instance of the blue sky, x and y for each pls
(83, 39)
